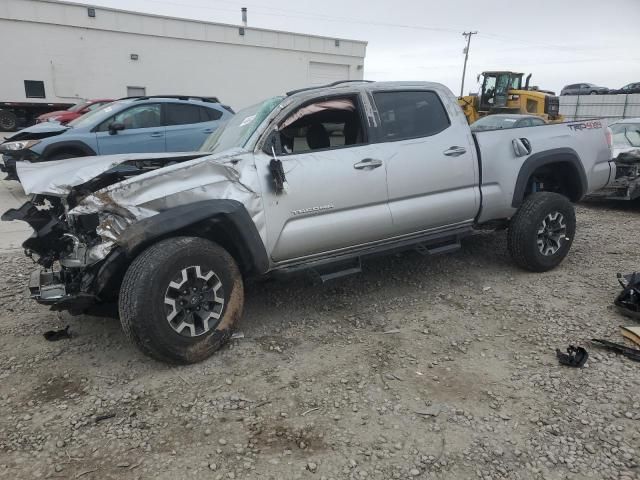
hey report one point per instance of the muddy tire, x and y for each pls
(541, 232)
(180, 299)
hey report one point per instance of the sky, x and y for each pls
(559, 41)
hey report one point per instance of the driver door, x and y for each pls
(143, 131)
(335, 198)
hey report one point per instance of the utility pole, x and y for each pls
(466, 56)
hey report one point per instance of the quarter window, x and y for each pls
(209, 114)
(410, 114)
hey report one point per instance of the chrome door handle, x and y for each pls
(367, 163)
(157, 134)
(455, 151)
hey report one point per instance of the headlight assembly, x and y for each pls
(19, 145)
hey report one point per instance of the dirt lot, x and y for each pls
(464, 383)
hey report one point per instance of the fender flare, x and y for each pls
(555, 155)
(230, 216)
(68, 144)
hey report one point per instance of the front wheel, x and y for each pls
(180, 299)
(541, 232)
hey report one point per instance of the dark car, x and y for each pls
(583, 89)
(628, 88)
(506, 120)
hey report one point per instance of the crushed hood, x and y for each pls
(38, 131)
(58, 177)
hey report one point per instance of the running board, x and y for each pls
(426, 249)
(327, 274)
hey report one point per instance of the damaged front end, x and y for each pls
(83, 207)
(70, 253)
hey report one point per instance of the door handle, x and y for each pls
(367, 163)
(208, 130)
(157, 134)
(455, 151)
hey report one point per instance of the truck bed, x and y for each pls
(499, 164)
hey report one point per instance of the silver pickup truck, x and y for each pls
(316, 180)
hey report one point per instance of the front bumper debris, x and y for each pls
(48, 287)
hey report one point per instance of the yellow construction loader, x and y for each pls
(503, 92)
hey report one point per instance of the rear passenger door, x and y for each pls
(432, 172)
(188, 125)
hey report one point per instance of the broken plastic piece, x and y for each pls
(632, 334)
(575, 356)
(628, 302)
(55, 335)
(632, 353)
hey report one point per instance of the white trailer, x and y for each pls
(65, 52)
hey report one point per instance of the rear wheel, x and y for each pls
(180, 299)
(541, 232)
(8, 121)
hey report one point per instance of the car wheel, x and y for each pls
(180, 299)
(541, 232)
(593, 92)
(8, 121)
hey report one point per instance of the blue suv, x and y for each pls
(137, 124)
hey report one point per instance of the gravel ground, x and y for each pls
(428, 368)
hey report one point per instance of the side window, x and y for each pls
(330, 123)
(140, 116)
(209, 114)
(410, 114)
(181, 114)
(524, 123)
(536, 122)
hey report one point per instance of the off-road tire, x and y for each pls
(8, 121)
(141, 302)
(522, 237)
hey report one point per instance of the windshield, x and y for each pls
(494, 122)
(79, 106)
(88, 119)
(240, 127)
(626, 134)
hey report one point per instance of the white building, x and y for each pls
(73, 51)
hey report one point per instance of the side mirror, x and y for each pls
(115, 127)
(521, 147)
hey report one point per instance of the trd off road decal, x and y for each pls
(585, 125)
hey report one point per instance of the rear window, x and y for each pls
(410, 114)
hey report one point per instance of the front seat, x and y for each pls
(317, 137)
